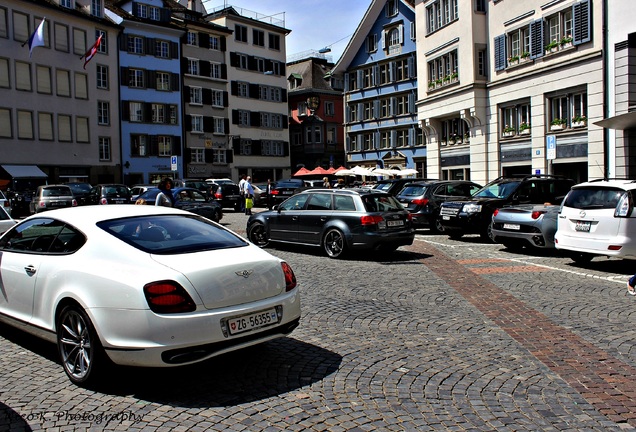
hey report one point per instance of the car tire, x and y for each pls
(436, 226)
(334, 243)
(217, 216)
(257, 234)
(79, 347)
(581, 257)
(513, 246)
(237, 207)
(486, 234)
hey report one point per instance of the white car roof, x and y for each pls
(621, 184)
(83, 216)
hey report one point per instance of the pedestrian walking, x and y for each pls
(269, 194)
(165, 197)
(241, 186)
(630, 286)
(249, 195)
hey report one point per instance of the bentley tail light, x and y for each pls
(537, 214)
(218, 195)
(290, 277)
(166, 297)
(496, 212)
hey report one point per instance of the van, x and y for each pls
(597, 218)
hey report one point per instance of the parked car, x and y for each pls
(219, 181)
(424, 199)
(474, 216)
(283, 189)
(201, 185)
(597, 218)
(189, 199)
(227, 195)
(394, 186)
(137, 190)
(52, 196)
(337, 220)
(260, 194)
(146, 286)
(80, 191)
(5, 203)
(110, 193)
(6, 221)
(529, 225)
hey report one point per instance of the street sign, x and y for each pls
(550, 144)
(173, 163)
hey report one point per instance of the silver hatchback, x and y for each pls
(51, 197)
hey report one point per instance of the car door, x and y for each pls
(22, 251)
(283, 224)
(317, 212)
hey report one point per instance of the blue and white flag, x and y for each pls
(37, 38)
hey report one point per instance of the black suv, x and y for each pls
(474, 216)
(227, 194)
(424, 199)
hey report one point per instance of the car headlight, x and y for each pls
(471, 208)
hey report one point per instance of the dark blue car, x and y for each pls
(189, 199)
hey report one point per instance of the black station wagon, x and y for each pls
(337, 220)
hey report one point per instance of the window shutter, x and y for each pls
(582, 22)
(147, 112)
(186, 94)
(348, 114)
(376, 109)
(360, 112)
(229, 156)
(500, 52)
(234, 88)
(176, 145)
(224, 71)
(283, 95)
(234, 61)
(151, 79)
(411, 66)
(235, 116)
(226, 102)
(208, 124)
(256, 148)
(411, 102)
(393, 106)
(376, 140)
(223, 44)
(255, 119)
(226, 125)
(383, 37)
(124, 76)
(411, 137)
(125, 111)
(536, 39)
(153, 149)
(285, 148)
(174, 78)
(401, 33)
(174, 50)
(165, 15)
(393, 138)
(204, 68)
(204, 40)
(206, 96)
(208, 155)
(149, 46)
(188, 122)
(253, 91)
(360, 79)
(123, 42)
(346, 82)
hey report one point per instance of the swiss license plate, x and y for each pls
(252, 321)
(287, 192)
(395, 223)
(57, 203)
(582, 226)
(445, 217)
(512, 226)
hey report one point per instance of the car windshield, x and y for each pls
(413, 190)
(498, 190)
(383, 186)
(289, 184)
(80, 187)
(119, 190)
(381, 203)
(54, 191)
(593, 198)
(172, 234)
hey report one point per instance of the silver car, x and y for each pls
(52, 197)
(529, 225)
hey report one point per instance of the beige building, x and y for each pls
(509, 87)
(259, 132)
(54, 113)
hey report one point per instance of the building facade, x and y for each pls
(511, 87)
(380, 73)
(58, 113)
(259, 132)
(316, 114)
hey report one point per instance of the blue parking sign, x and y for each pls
(550, 144)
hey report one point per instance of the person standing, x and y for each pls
(630, 285)
(241, 186)
(249, 195)
(325, 183)
(165, 197)
(269, 194)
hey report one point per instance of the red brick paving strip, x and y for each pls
(604, 381)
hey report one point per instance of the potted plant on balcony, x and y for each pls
(557, 124)
(438, 82)
(513, 60)
(452, 139)
(431, 85)
(454, 76)
(579, 121)
(447, 79)
(552, 47)
(466, 137)
(509, 131)
(524, 128)
(566, 42)
(525, 56)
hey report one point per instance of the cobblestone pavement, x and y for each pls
(441, 335)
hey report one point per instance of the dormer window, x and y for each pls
(295, 80)
(391, 8)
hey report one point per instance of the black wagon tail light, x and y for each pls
(290, 277)
(167, 297)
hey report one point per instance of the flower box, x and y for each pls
(578, 124)
(508, 134)
(557, 127)
(566, 45)
(524, 132)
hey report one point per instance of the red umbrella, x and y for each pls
(319, 170)
(301, 172)
(338, 169)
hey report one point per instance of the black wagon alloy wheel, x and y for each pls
(257, 234)
(78, 345)
(334, 243)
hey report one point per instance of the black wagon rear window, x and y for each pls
(172, 234)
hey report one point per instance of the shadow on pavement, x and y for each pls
(11, 420)
(244, 376)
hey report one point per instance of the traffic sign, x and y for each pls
(173, 163)
(550, 143)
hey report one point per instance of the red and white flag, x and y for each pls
(92, 51)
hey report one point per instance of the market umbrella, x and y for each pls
(318, 170)
(301, 172)
(406, 172)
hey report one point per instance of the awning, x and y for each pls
(620, 122)
(24, 171)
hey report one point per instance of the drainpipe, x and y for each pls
(606, 98)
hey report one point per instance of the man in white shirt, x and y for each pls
(241, 186)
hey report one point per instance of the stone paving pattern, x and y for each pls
(442, 335)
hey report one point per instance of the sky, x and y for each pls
(314, 24)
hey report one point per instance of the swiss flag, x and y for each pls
(92, 51)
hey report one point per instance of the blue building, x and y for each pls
(380, 79)
(150, 91)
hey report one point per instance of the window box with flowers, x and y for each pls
(509, 131)
(466, 137)
(452, 139)
(557, 124)
(579, 121)
(552, 47)
(438, 82)
(525, 56)
(566, 42)
(524, 128)
(513, 60)
(447, 79)
(431, 85)
(454, 77)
